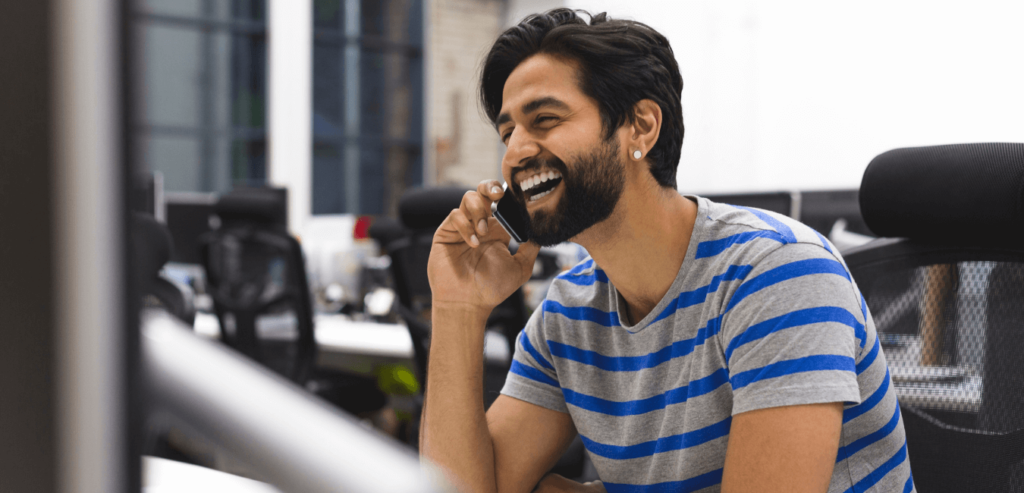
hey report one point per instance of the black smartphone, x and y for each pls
(509, 214)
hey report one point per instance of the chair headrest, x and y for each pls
(961, 193)
(426, 208)
(385, 230)
(255, 204)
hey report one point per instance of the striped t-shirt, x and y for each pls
(762, 313)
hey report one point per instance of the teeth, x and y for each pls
(539, 195)
(538, 179)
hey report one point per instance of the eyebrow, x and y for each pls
(532, 106)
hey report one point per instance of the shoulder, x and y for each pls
(781, 257)
(750, 236)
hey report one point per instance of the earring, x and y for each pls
(637, 154)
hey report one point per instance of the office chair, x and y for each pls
(256, 275)
(945, 285)
(257, 279)
(152, 248)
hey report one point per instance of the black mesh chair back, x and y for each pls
(947, 300)
(257, 278)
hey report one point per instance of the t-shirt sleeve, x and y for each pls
(532, 377)
(792, 331)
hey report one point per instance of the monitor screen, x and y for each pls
(188, 218)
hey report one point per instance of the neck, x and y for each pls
(641, 246)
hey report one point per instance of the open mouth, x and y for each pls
(540, 186)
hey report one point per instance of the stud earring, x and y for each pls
(637, 154)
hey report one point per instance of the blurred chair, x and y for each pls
(257, 279)
(151, 249)
(946, 290)
(256, 276)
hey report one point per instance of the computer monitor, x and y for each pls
(821, 209)
(147, 195)
(189, 216)
(781, 202)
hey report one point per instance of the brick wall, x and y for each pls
(464, 147)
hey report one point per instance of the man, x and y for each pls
(701, 347)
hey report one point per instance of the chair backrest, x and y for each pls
(256, 276)
(946, 293)
(151, 249)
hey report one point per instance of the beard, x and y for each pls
(593, 185)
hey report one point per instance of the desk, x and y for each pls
(947, 388)
(361, 347)
(961, 396)
(168, 476)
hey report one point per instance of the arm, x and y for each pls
(511, 447)
(783, 449)
(471, 271)
(792, 342)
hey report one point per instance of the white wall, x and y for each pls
(516, 10)
(802, 94)
(290, 95)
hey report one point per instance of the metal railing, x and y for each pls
(299, 443)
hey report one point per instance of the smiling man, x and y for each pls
(702, 347)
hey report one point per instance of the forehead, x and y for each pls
(538, 77)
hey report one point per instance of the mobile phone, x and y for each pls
(509, 214)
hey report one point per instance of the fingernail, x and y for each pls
(473, 241)
(482, 226)
(496, 190)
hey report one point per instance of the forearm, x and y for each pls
(455, 434)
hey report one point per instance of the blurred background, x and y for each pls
(288, 161)
(791, 95)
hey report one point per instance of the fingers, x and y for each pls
(526, 256)
(457, 220)
(490, 189)
(472, 220)
(477, 209)
(496, 233)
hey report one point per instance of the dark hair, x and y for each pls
(619, 63)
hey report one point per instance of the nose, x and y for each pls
(521, 148)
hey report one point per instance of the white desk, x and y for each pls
(361, 347)
(168, 476)
(931, 387)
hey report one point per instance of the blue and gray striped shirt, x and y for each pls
(762, 313)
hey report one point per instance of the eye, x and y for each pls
(544, 118)
(505, 136)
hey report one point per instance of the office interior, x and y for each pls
(215, 217)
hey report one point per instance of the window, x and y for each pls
(367, 104)
(202, 92)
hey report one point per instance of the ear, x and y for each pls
(646, 127)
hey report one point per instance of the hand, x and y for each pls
(553, 483)
(470, 264)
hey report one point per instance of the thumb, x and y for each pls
(526, 256)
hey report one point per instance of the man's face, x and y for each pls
(558, 163)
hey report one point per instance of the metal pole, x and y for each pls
(93, 416)
(300, 443)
